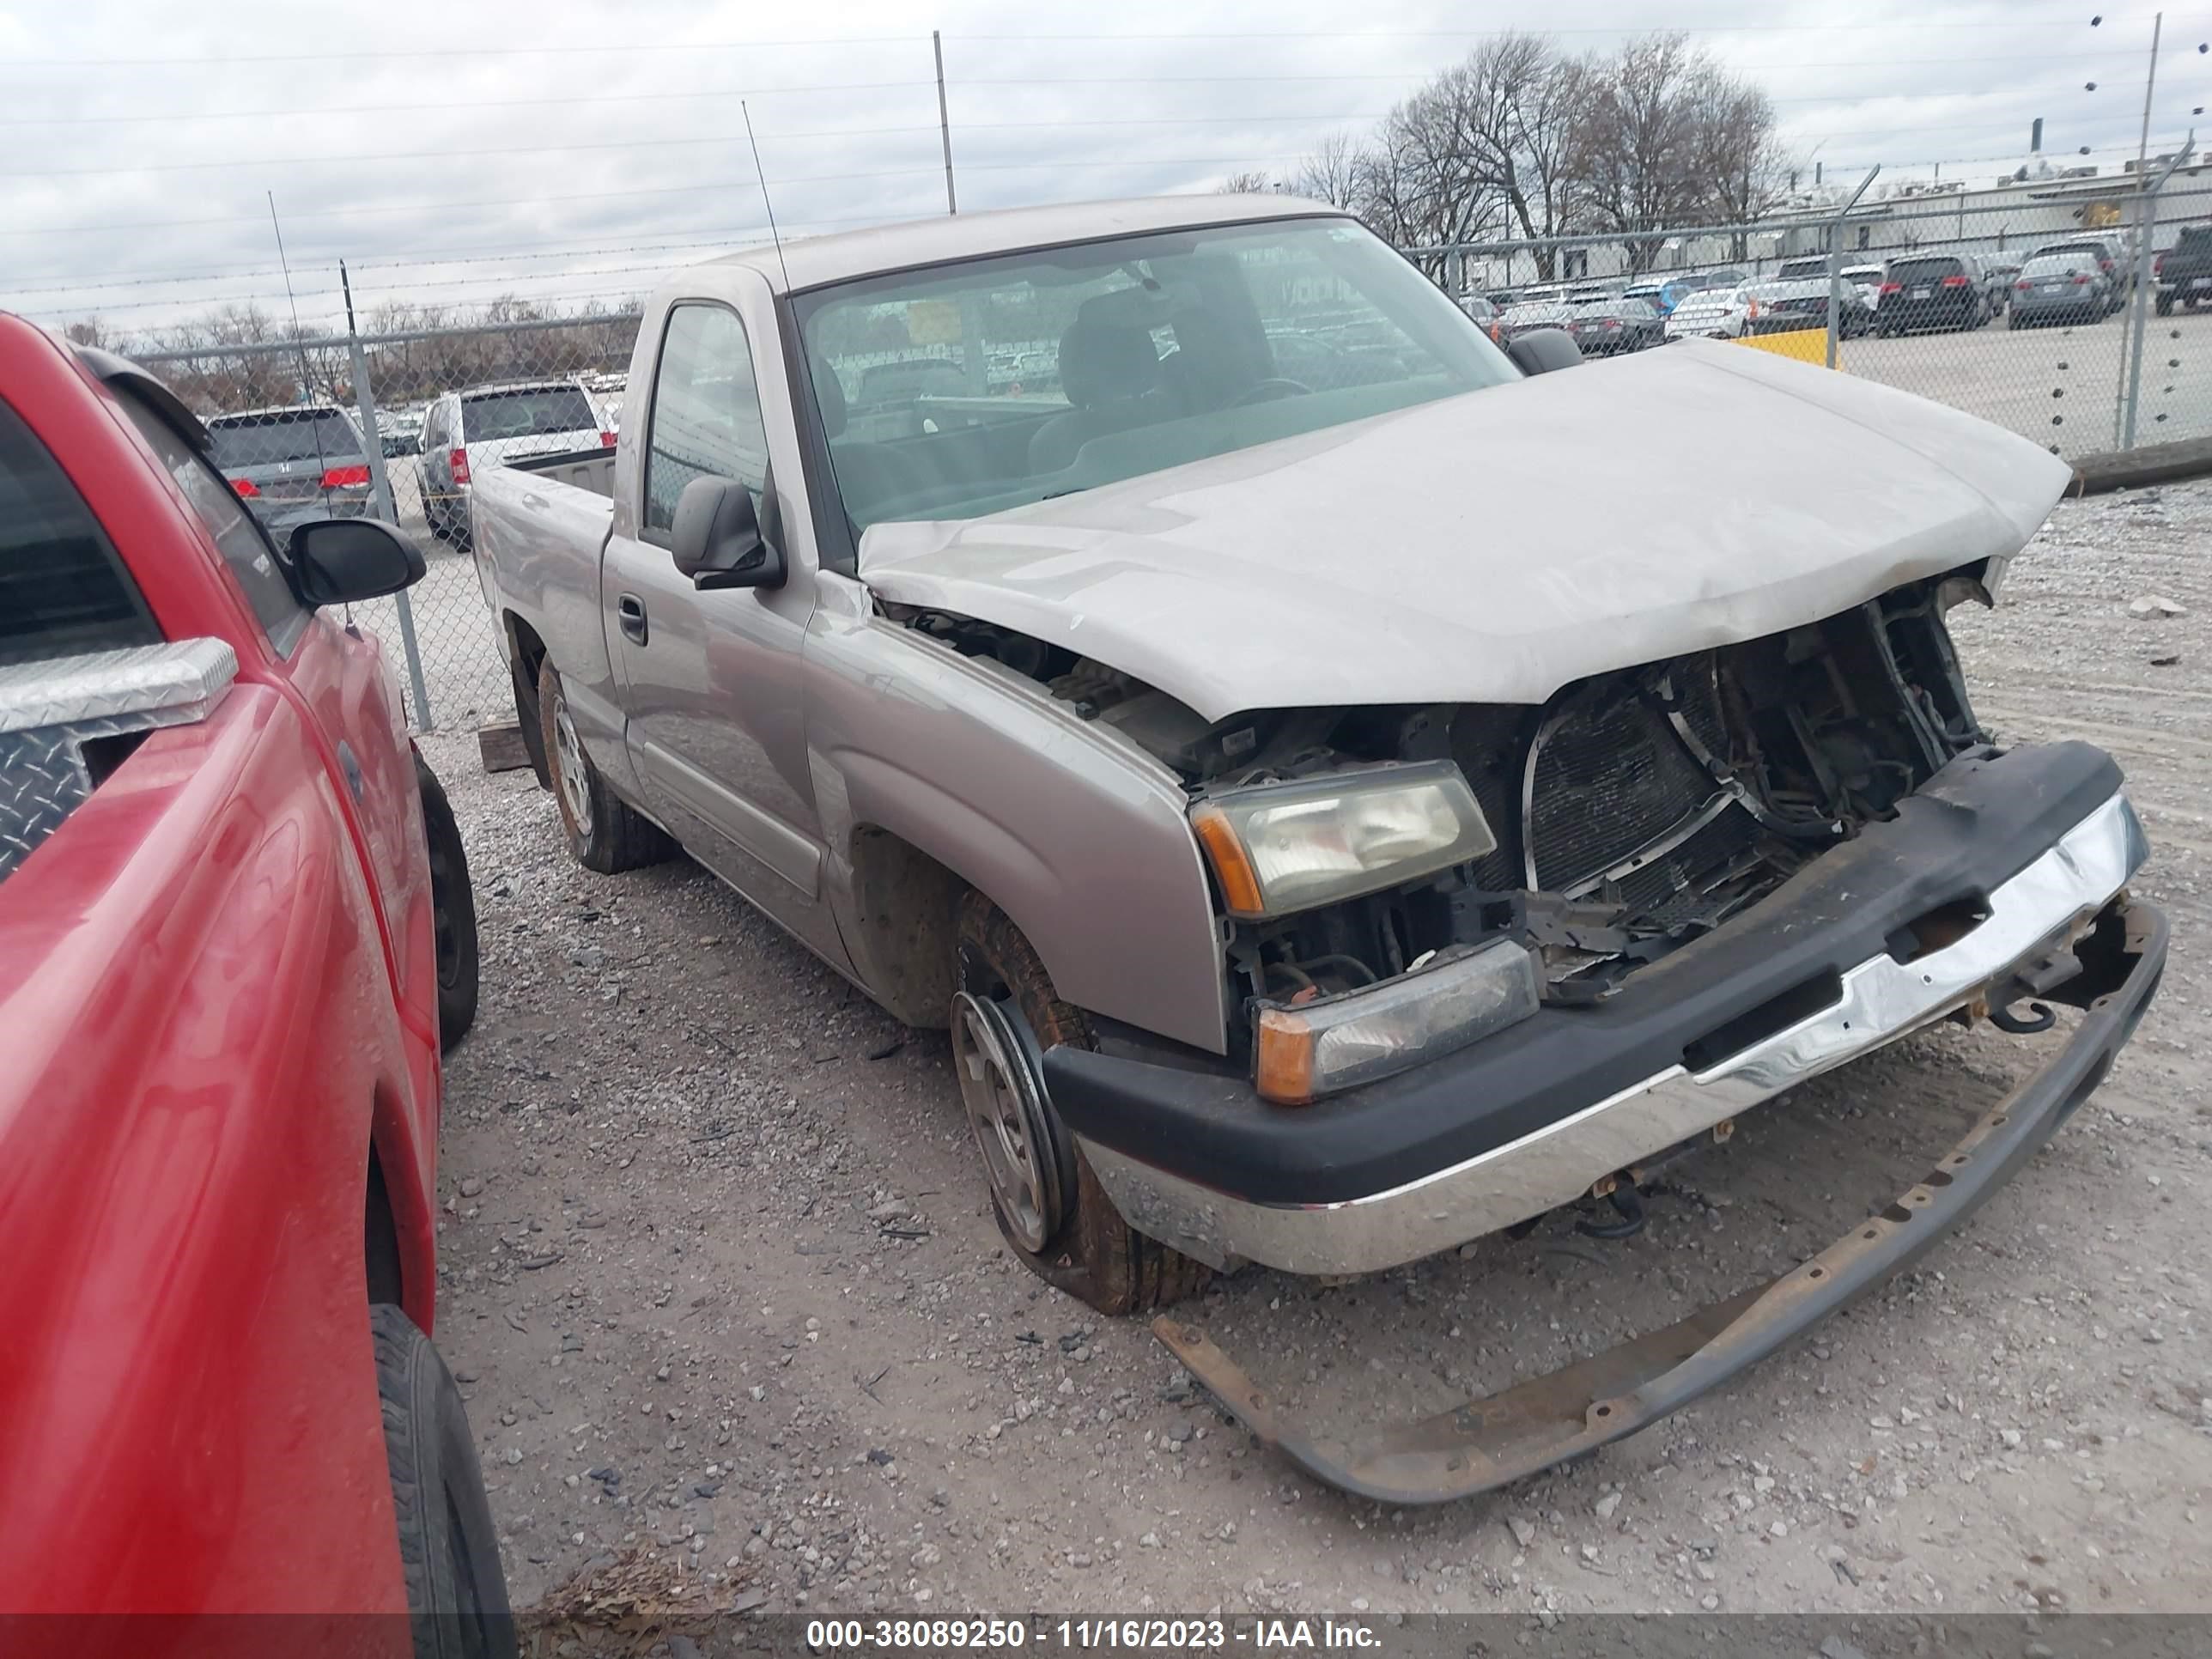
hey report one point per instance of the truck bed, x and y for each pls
(590, 469)
(543, 523)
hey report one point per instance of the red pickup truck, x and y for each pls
(234, 927)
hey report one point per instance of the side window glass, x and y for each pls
(237, 536)
(63, 589)
(705, 419)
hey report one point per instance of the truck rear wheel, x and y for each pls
(457, 1602)
(605, 833)
(1048, 1204)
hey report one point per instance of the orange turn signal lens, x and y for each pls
(1240, 887)
(1283, 1058)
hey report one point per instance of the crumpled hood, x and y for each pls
(1497, 545)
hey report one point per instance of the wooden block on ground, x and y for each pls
(502, 747)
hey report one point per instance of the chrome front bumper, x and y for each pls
(2030, 913)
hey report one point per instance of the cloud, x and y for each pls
(570, 152)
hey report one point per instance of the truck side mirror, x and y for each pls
(1543, 350)
(344, 560)
(716, 538)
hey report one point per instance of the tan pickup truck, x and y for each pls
(1345, 794)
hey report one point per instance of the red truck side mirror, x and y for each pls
(341, 561)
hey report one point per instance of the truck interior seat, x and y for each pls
(1111, 373)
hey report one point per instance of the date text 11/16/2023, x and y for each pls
(1164, 1635)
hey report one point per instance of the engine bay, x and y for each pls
(1633, 812)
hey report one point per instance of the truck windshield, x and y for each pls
(967, 389)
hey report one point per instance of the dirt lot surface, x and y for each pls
(720, 1283)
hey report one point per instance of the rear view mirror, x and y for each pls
(716, 538)
(1543, 350)
(341, 561)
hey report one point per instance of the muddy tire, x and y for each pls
(1048, 1204)
(603, 832)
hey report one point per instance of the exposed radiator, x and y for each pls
(1609, 785)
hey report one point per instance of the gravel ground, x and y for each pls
(720, 1283)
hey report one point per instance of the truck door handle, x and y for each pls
(629, 610)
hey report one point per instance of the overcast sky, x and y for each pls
(560, 151)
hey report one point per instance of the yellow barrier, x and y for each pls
(1809, 346)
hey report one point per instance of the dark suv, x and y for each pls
(2113, 263)
(289, 465)
(1933, 290)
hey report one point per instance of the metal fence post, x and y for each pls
(2146, 232)
(380, 487)
(1836, 261)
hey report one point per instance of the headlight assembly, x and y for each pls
(1283, 847)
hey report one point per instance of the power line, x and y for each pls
(747, 185)
(1542, 29)
(325, 111)
(597, 49)
(468, 51)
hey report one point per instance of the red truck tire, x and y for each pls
(449, 1547)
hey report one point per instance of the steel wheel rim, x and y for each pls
(1005, 1110)
(575, 789)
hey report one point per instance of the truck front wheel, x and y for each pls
(603, 832)
(1048, 1204)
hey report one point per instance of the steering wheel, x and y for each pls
(1265, 391)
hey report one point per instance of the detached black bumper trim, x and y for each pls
(1486, 1443)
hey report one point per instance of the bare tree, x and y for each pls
(1331, 171)
(1734, 153)
(1643, 158)
(1243, 184)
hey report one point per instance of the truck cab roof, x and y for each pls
(808, 262)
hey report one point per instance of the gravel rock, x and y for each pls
(2155, 606)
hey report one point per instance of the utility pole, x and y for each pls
(944, 121)
(2146, 232)
(2150, 82)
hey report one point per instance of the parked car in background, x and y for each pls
(1931, 291)
(235, 933)
(2115, 263)
(1725, 276)
(491, 425)
(1484, 314)
(1997, 278)
(1662, 296)
(292, 463)
(1868, 279)
(1803, 269)
(2058, 288)
(1604, 328)
(2183, 272)
(1334, 939)
(1533, 314)
(400, 432)
(1783, 306)
(1714, 314)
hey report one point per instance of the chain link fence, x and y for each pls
(394, 425)
(2045, 306)
(2099, 344)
